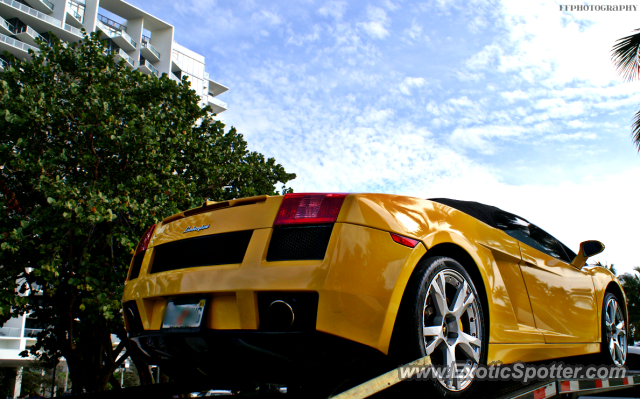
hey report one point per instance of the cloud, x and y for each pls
(571, 137)
(480, 138)
(409, 83)
(414, 32)
(376, 26)
(269, 17)
(335, 9)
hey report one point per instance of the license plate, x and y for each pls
(183, 315)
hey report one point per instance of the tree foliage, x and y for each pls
(626, 58)
(91, 154)
(631, 284)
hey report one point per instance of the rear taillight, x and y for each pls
(309, 209)
(143, 244)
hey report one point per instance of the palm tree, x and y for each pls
(626, 58)
(631, 284)
(610, 267)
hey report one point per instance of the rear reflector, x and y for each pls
(407, 242)
(309, 209)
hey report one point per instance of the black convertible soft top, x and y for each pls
(482, 212)
(506, 221)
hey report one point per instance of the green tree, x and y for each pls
(92, 154)
(631, 284)
(626, 59)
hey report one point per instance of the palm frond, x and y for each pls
(625, 56)
(635, 130)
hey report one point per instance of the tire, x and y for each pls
(435, 320)
(613, 349)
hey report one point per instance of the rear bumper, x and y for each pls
(277, 357)
(360, 283)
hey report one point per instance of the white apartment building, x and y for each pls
(142, 40)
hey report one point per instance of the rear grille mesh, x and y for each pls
(217, 249)
(299, 243)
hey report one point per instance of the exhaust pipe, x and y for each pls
(281, 314)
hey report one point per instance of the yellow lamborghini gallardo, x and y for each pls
(290, 288)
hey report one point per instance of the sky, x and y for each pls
(510, 103)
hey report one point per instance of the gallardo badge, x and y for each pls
(190, 229)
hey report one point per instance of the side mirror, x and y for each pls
(587, 250)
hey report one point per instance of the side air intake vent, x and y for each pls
(217, 249)
(299, 243)
(132, 315)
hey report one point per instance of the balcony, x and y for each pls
(216, 88)
(219, 118)
(216, 105)
(3, 65)
(149, 52)
(16, 47)
(6, 28)
(9, 332)
(174, 77)
(116, 32)
(73, 30)
(123, 40)
(74, 19)
(44, 6)
(28, 35)
(176, 66)
(31, 332)
(146, 67)
(121, 54)
(39, 21)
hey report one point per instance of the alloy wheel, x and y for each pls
(452, 329)
(616, 332)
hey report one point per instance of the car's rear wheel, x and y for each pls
(614, 332)
(442, 316)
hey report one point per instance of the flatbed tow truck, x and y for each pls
(390, 385)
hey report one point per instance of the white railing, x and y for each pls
(31, 332)
(106, 29)
(33, 12)
(4, 64)
(30, 32)
(153, 69)
(7, 25)
(151, 48)
(126, 56)
(12, 332)
(126, 37)
(112, 32)
(17, 43)
(76, 15)
(217, 102)
(177, 62)
(47, 3)
(73, 30)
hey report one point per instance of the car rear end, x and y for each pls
(267, 283)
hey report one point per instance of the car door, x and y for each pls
(562, 297)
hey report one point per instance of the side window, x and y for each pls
(551, 245)
(530, 234)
